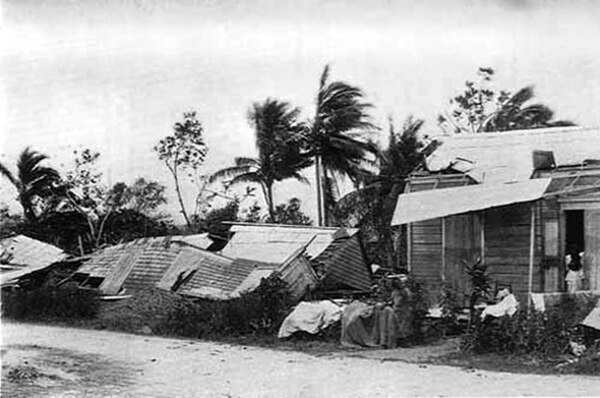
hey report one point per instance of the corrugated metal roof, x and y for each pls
(507, 156)
(25, 255)
(273, 243)
(426, 205)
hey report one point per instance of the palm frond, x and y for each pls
(229, 173)
(8, 175)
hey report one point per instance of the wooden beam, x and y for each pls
(409, 246)
(443, 249)
(531, 255)
(591, 188)
(482, 235)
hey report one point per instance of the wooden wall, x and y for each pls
(426, 254)
(507, 247)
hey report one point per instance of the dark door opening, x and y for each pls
(574, 231)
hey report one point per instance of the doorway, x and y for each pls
(574, 232)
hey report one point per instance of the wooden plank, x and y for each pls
(114, 280)
(531, 259)
(592, 248)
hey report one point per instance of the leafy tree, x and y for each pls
(336, 135)
(213, 222)
(372, 206)
(480, 109)
(184, 151)
(277, 140)
(86, 194)
(34, 182)
(10, 224)
(290, 213)
(142, 197)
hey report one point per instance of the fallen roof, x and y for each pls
(171, 264)
(273, 243)
(507, 156)
(426, 205)
(21, 255)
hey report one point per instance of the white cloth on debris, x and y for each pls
(310, 317)
(508, 306)
(592, 320)
(539, 302)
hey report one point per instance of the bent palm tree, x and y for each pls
(278, 141)
(34, 182)
(335, 136)
(513, 114)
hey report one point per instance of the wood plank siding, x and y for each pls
(507, 241)
(426, 252)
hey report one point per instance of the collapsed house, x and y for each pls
(21, 256)
(336, 254)
(519, 201)
(178, 264)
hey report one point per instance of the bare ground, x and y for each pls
(65, 362)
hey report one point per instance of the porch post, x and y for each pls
(409, 246)
(443, 276)
(531, 255)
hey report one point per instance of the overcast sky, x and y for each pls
(115, 75)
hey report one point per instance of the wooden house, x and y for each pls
(520, 201)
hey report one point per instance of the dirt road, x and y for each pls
(86, 363)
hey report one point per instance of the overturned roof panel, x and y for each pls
(426, 205)
(21, 255)
(273, 243)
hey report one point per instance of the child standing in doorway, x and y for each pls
(575, 274)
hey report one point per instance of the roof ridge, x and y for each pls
(535, 131)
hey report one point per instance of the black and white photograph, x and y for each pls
(299, 198)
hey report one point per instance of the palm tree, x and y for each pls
(278, 141)
(335, 135)
(34, 182)
(372, 206)
(514, 114)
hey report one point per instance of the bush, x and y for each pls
(259, 312)
(49, 302)
(146, 308)
(540, 334)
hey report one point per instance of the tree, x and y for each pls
(277, 139)
(82, 191)
(213, 223)
(184, 151)
(372, 206)
(141, 197)
(34, 182)
(481, 109)
(335, 137)
(290, 213)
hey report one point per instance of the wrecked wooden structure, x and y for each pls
(520, 201)
(177, 264)
(336, 254)
(21, 257)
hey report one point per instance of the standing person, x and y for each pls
(575, 274)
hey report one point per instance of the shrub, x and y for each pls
(49, 302)
(259, 312)
(419, 306)
(540, 334)
(451, 308)
(146, 308)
